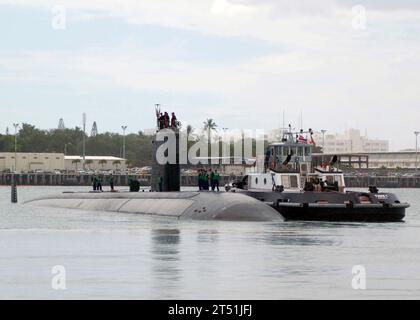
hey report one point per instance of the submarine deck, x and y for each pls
(182, 205)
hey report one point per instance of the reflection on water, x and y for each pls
(166, 244)
(207, 236)
(293, 239)
(113, 255)
(166, 257)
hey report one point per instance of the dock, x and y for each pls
(46, 179)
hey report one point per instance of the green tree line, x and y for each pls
(70, 142)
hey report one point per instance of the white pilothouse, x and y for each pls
(288, 167)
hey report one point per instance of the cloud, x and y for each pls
(383, 5)
(318, 62)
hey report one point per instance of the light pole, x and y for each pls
(417, 148)
(66, 147)
(225, 147)
(124, 128)
(84, 141)
(16, 125)
(323, 138)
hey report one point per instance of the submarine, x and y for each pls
(182, 205)
(166, 198)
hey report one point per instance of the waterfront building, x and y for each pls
(351, 141)
(51, 162)
(394, 160)
(31, 162)
(74, 163)
(374, 160)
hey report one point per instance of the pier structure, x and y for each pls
(46, 179)
(38, 179)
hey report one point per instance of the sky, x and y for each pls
(341, 63)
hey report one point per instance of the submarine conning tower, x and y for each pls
(166, 170)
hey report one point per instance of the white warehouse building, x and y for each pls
(349, 142)
(31, 162)
(393, 160)
(51, 162)
(375, 160)
(74, 163)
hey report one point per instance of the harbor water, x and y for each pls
(108, 255)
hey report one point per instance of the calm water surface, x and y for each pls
(127, 256)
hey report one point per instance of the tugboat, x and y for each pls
(298, 191)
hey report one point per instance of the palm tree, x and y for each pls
(209, 126)
(76, 162)
(103, 162)
(89, 162)
(128, 163)
(190, 130)
(116, 163)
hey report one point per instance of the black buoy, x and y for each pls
(14, 190)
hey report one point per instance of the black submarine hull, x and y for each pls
(333, 206)
(358, 213)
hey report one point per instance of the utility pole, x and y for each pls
(123, 128)
(66, 148)
(417, 148)
(84, 141)
(13, 184)
(225, 148)
(16, 125)
(323, 138)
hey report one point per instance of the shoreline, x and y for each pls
(46, 179)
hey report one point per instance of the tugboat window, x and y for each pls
(285, 181)
(256, 180)
(265, 180)
(339, 180)
(300, 152)
(294, 181)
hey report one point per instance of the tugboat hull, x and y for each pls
(334, 206)
(330, 212)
